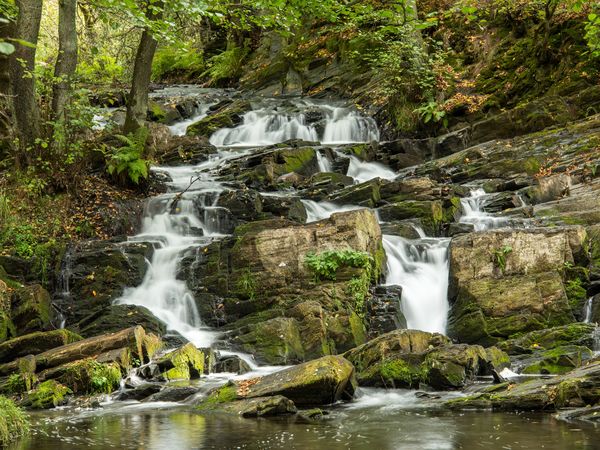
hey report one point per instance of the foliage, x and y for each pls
(127, 162)
(227, 65)
(431, 112)
(592, 34)
(175, 60)
(13, 422)
(500, 257)
(102, 69)
(48, 394)
(246, 284)
(325, 265)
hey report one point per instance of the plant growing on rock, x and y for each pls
(127, 162)
(13, 422)
(325, 265)
(500, 255)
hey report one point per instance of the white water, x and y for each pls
(268, 125)
(421, 267)
(180, 128)
(323, 210)
(473, 212)
(324, 163)
(587, 311)
(363, 171)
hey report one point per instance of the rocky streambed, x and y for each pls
(294, 267)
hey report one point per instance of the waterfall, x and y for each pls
(473, 212)
(421, 268)
(180, 128)
(307, 121)
(323, 210)
(363, 171)
(587, 310)
(324, 163)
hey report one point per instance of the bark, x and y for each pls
(66, 62)
(5, 104)
(22, 62)
(137, 104)
(131, 338)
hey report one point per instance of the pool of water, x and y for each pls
(379, 420)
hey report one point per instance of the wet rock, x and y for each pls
(172, 394)
(322, 381)
(140, 392)
(384, 312)
(227, 116)
(34, 343)
(186, 363)
(587, 414)
(183, 150)
(559, 360)
(507, 282)
(577, 388)
(276, 341)
(231, 364)
(287, 207)
(48, 394)
(365, 194)
(579, 334)
(99, 273)
(31, 310)
(119, 317)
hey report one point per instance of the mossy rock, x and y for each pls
(34, 343)
(48, 394)
(558, 360)
(14, 423)
(579, 334)
(186, 363)
(31, 309)
(228, 116)
(88, 376)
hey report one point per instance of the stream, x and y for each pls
(377, 419)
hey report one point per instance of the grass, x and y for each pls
(13, 422)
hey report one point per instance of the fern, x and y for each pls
(127, 162)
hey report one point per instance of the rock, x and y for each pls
(587, 414)
(85, 376)
(559, 360)
(118, 317)
(319, 382)
(508, 282)
(140, 392)
(383, 311)
(34, 343)
(48, 394)
(364, 194)
(408, 358)
(579, 334)
(576, 388)
(231, 364)
(430, 213)
(31, 310)
(184, 150)
(228, 116)
(172, 394)
(275, 341)
(261, 407)
(186, 362)
(100, 272)
(287, 207)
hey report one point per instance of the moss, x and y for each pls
(91, 377)
(394, 373)
(188, 362)
(224, 394)
(13, 422)
(358, 329)
(295, 160)
(48, 394)
(7, 327)
(559, 360)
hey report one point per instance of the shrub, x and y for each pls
(13, 422)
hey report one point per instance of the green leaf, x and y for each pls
(6, 48)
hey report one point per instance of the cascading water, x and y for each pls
(421, 267)
(324, 163)
(474, 214)
(363, 171)
(587, 310)
(180, 128)
(323, 210)
(308, 121)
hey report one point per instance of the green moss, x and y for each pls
(358, 330)
(559, 360)
(7, 328)
(13, 422)
(188, 363)
(224, 394)
(395, 373)
(91, 377)
(48, 394)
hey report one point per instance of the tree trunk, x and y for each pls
(5, 114)
(22, 62)
(66, 62)
(137, 104)
(132, 338)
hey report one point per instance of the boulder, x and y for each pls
(227, 116)
(172, 394)
(506, 282)
(276, 405)
(185, 363)
(31, 310)
(118, 317)
(364, 194)
(579, 334)
(559, 360)
(577, 388)
(48, 394)
(140, 392)
(409, 358)
(322, 381)
(231, 364)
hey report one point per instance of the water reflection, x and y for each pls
(377, 421)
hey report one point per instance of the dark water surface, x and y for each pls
(380, 420)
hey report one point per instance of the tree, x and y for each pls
(22, 64)
(137, 104)
(66, 62)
